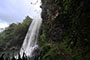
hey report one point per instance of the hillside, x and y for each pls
(12, 37)
(65, 29)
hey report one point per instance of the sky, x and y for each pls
(13, 11)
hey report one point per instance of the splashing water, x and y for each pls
(30, 42)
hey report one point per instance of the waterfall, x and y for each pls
(30, 41)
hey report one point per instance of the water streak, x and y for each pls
(30, 42)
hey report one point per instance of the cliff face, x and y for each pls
(50, 15)
(65, 30)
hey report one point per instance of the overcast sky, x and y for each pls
(13, 11)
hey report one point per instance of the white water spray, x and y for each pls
(30, 42)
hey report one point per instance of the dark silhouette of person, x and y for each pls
(13, 58)
(24, 57)
(2, 57)
(6, 58)
(19, 57)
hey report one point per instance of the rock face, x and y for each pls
(50, 15)
(66, 28)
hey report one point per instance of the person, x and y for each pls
(24, 56)
(13, 58)
(19, 57)
(2, 57)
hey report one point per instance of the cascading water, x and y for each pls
(30, 42)
(30, 45)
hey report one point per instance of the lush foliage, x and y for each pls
(66, 28)
(64, 33)
(13, 36)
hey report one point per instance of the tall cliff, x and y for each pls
(65, 29)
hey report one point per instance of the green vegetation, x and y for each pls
(65, 30)
(64, 33)
(13, 36)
